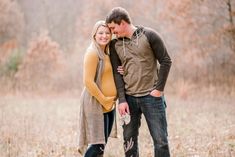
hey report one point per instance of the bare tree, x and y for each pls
(230, 11)
(12, 20)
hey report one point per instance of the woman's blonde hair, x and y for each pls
(94, 45)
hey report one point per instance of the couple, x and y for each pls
(139, 85)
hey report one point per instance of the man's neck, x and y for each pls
(130, 30)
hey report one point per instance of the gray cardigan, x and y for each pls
(91, 119)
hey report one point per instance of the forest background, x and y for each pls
(42, 44)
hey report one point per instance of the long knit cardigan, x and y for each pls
(91, 119)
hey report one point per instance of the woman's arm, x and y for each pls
(90, 67)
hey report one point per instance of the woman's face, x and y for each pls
(103, 35)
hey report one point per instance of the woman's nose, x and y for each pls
(104, 35)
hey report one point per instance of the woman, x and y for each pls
(99, 95)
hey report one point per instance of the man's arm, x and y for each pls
(115, 61)
(161, 54)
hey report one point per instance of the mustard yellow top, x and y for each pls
(106, 94)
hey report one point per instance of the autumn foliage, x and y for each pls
(42, 44)
(200, 37)
(12, 21)
(42, 66)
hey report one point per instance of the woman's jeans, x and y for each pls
(153, 108)
(96, 150)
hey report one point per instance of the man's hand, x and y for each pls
(156, 93)
(123, 108)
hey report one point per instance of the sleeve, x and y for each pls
(161, 54)
(115, 61)
(89, 72)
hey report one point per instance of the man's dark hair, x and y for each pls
(118, 14)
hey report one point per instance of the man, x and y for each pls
(139, 50)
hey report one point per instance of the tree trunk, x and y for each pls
(230, 12)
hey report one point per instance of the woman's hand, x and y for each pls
(108, 103)
(120, 70)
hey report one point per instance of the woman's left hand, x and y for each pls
(120, 70)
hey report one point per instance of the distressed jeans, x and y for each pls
(153, 108)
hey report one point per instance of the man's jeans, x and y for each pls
(153, 109)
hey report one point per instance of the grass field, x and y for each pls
(45, 126)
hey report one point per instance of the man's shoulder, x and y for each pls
(150, 31)
(151, 34)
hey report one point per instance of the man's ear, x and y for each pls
(123, 23)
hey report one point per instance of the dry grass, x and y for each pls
(45, 126)
(37, 127)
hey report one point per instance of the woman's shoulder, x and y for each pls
(91, 53)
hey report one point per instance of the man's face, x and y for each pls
(116, 29)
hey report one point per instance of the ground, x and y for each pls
(46, 126)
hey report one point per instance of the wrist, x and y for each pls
(121, 100)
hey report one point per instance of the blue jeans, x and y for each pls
(153, 108)
(97, 150)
